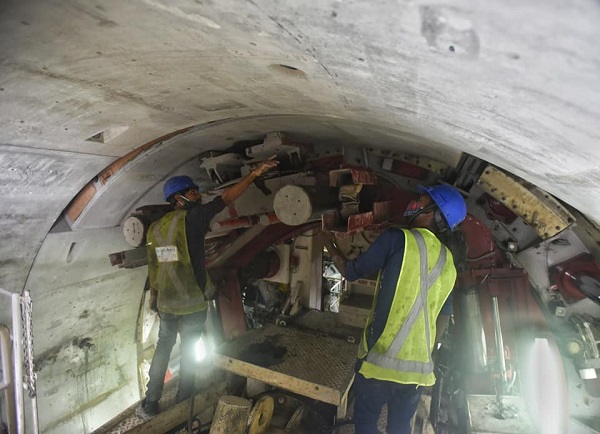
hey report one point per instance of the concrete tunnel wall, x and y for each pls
(86, 354)
(514, 83)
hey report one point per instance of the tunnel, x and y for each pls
(101, 102)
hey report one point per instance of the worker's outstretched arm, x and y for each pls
(236, 190)
(339, 259)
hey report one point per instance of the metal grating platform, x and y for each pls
(129, 419)
(315, 365)
(210, 386)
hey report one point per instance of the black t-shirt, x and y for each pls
(197, 222)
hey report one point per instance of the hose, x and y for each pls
(191, 415)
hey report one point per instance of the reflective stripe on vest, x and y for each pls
(389, 360)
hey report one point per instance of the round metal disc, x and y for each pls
(292, 205)
(134, 230)
(260, 415)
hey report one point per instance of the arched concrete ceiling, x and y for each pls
(513, 82)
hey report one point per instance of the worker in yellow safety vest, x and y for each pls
(178, 280)
(416, 276)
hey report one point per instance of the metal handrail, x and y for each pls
(4, 356)
(7, 382)
(5, 292)
(30, 375)
(17, 332)
(12, 376)
(499, 341)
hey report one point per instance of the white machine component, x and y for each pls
(283, 275)
(293, 205)
(274, 144)
(223, 168)
(134, 230)
(585, 346)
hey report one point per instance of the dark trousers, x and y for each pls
(191, 331)
(370, 396)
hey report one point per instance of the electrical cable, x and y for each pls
(510, 385)
(191, 415)
(485, 255)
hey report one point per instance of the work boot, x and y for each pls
(148, 409)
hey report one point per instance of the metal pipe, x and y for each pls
(235, 223)
(17, 333)
(7, 383)
(475, 334)
(34, 416)
(27, 310)
(268, 219)
(499, 340)
(5, 292)
(4, 356)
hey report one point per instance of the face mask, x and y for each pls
(412, 209)
(186, 203)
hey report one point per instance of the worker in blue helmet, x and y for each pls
(416, 274)
(179, 284)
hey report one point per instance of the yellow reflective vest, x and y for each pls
(402, 353)
(169, 266)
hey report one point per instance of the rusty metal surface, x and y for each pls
(481, 247)
(329, 220)
(131, 258)
(360, 221)
(361, 176)
(323, 362)
(339, 177)
(383, 211)
(541, 211)
(235, 223)
(355, 222)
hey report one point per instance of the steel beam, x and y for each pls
(539, 209)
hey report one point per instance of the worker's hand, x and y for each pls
(265, 166)
(339, 259)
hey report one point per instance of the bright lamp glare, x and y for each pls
(201, 350)
(545, 388)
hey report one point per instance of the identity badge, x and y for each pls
(167, 254)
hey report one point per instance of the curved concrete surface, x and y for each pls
(515, 83)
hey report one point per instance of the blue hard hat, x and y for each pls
(449, 201)
(177, 184)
